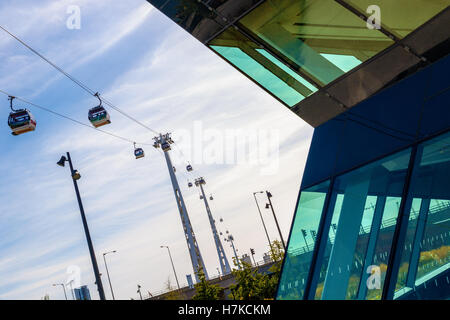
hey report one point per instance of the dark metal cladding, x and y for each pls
(203, 19)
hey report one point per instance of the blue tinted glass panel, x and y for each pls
(260, 74)
(301, 243)
(425, 267)
(363, 220)
(262, 67)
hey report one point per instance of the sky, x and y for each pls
(234, 134)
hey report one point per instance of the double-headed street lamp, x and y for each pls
(107, 272)
(269, 195)
(75, 176)
(264, 225)
(173, 266)
(64, 288)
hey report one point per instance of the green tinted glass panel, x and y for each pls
(303, 31)
(401, 16)
(364, 208)
(301, 242)
(262, 67)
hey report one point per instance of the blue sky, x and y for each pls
(153, 70)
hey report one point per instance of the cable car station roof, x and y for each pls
(318, 57)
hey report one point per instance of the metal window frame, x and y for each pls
(399, 236)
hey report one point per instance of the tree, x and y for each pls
(251, 284)
(205, 290)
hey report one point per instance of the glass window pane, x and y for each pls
(402, 16)
(364, 214)
(262, 67)
(425, 266)
(301, 242)
(321, 37)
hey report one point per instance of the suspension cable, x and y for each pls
(74, 80)
(71, 119)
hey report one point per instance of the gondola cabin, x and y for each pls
(190, 184)
(189, 168)
(139, 153)
(165, 146)
(21, 121)
(98, 116)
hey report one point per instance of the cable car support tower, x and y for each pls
(164, 141)
(224, 265)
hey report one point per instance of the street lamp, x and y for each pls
(75, 176)
(64, 288)
(264, 225)
(173, 267)
(107, 272)
(139, 290)
(269, 195)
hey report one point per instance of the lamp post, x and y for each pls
(264, 225)
(269, 195)
(64, 288)
(75, 176)
(107, 272)
(173, 266)
(139, 290)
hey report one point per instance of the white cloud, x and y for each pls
(129, 203)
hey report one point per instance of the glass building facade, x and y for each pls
(372, 219)
(373, 215)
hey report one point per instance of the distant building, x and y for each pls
(267, 258)
(246, 258)
(82, 293)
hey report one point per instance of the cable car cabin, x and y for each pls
(211, 198)
(189, 168)
(139, 153)
(165, 146)
(21, 121)
(190, 184)
(98, 116)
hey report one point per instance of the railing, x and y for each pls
(185, 286)
(439, 207)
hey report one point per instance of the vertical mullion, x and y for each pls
(398, 240)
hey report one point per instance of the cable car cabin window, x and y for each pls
(97, 113)
(139, 153)
(18, 119)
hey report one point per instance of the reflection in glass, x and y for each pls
(425, 266)
(301, 243)
(262, 67)
(363, 221)
(401, 17)
(191, 15)
(321, 37)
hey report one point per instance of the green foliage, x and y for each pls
(205, 290)
(252, 285)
